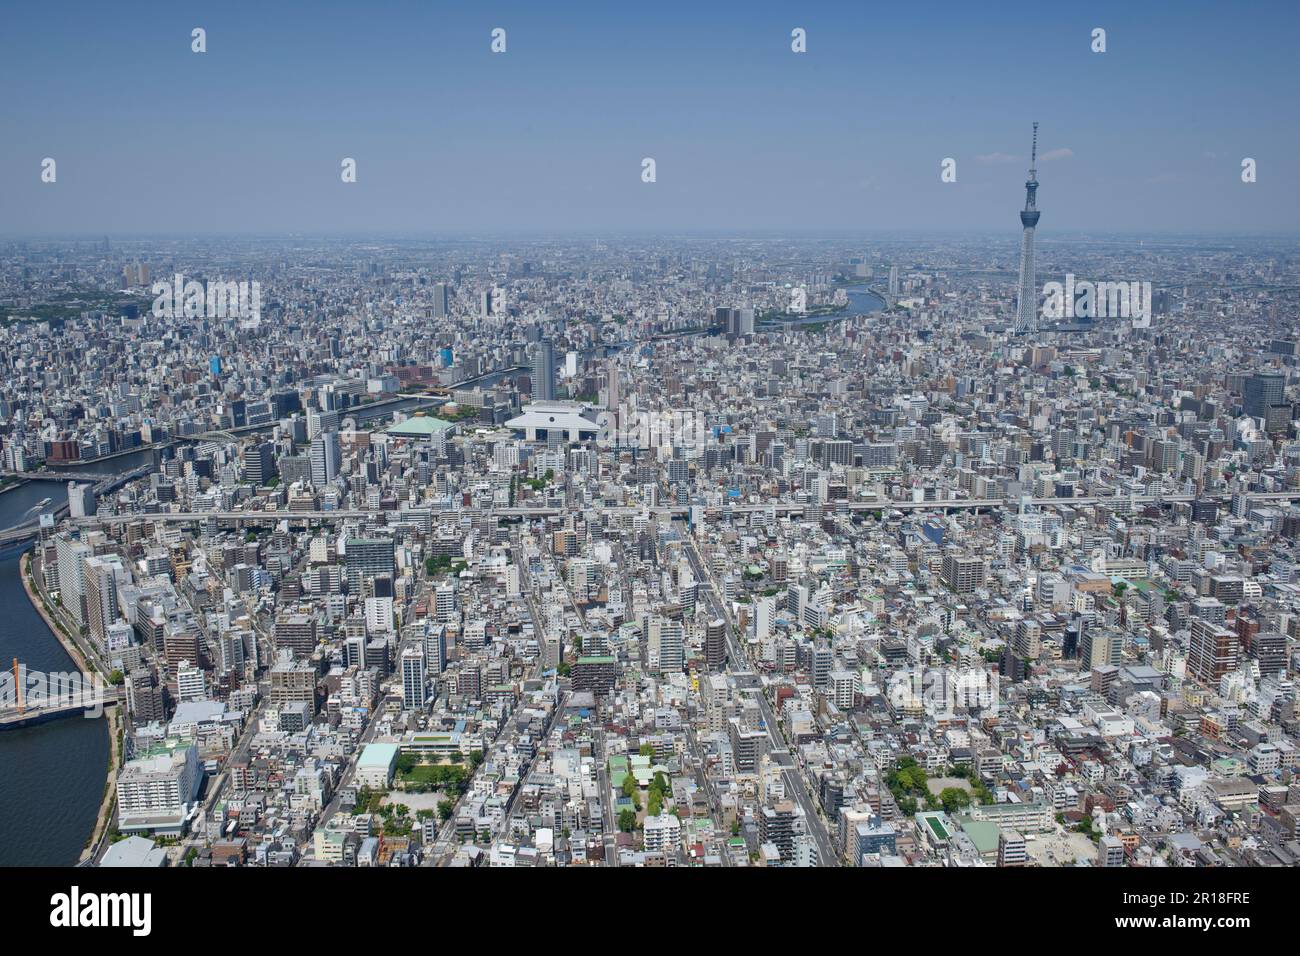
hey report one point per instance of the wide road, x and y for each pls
(780, 507)
(780, 748)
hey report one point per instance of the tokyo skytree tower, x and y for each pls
(1027, 307)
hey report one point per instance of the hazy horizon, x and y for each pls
(749, 138)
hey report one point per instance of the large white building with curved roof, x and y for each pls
(540, 419)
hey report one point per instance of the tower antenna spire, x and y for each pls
(1027, 308)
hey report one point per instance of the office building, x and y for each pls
(1262, 391)
(544, 372)
(326, 456)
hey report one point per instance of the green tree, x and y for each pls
(627, 820)
(954, 799)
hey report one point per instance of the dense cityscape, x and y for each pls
(833, 437)
(688, 552)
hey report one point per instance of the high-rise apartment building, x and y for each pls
(544, 372)
(99, 580)
(413, 676)
(715, 644)
(71, 553)
(1213, 652)
(963, 574)
(367, 557)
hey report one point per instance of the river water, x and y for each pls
(51, 775)
(862, 301)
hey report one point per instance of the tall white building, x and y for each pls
(764, 617)
(413, 677)
(156, 790)
(445, 602)
(70, 553)
(379, 615)
(663, 834)
(326, 455)
(666, 645)
(190, 682)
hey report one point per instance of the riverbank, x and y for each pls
(10, 484)
(62, 636)
(113, 719)
(104, 819)
(72, 464)
(53, 773)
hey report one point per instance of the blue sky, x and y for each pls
(747, 136)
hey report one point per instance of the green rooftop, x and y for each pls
(983, 835)
(378, 755)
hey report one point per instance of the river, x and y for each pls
(862, 301)
(51, 775)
